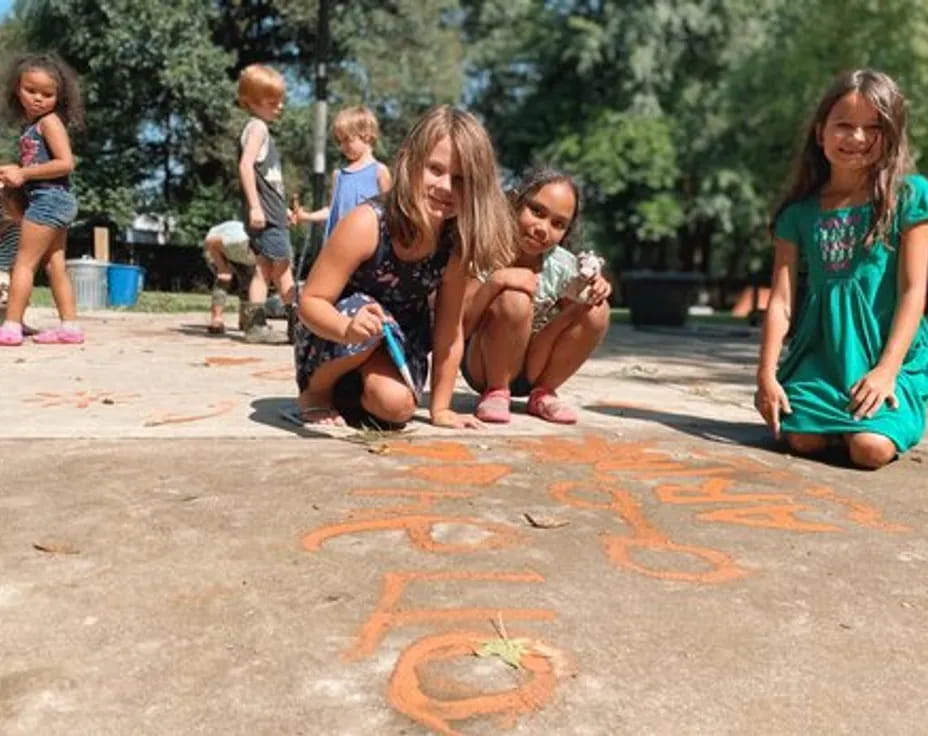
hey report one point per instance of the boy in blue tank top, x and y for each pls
(356, 131)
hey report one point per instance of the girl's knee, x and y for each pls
(870, 451)
(806, 444)
(388, 400)
(512, 306)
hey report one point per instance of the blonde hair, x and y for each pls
(357, 121)
(484, 228)
(258, 82)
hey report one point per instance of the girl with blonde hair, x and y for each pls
(445, 218)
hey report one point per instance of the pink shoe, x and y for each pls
(546, 405)
(494, 406)
(59, 336)
(10, 338)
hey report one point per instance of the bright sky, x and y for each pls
(5, 6)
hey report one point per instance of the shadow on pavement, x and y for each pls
(751, 434)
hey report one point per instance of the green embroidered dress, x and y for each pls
(846, 318)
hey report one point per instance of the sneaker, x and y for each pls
(10, 338)
(59, 336)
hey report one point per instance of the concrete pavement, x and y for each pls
(175, 559)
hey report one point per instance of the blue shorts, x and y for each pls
(272, 242)
(51, 206)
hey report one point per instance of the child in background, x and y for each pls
(857, 367)
(261, 92)
(228, 254)
(525, 336)
(356, 131)
(42, 92)
(445, 216)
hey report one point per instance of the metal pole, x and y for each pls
(320, 121)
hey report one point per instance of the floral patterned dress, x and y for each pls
(846, 319)
(401, 288)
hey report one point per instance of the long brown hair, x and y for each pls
(812, 170)
(483, 229)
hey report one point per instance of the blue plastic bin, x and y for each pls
(124, 283)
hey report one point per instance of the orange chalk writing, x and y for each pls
(462, 475)
(419, 529)
(771, 517)
(387, 613)
(407, 691)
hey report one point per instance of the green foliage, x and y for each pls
(678, 117)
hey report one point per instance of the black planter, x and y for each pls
(660, 297)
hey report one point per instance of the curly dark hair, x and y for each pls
(534, 179)
(68, 106)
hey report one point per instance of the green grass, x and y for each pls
(168, 301)
(149, 301)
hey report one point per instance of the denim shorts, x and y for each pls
(51, 206)
(272, 242)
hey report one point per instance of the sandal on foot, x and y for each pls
(326, 416)
(545, 404)
(494, 406)
(59, 336)
(10, 338)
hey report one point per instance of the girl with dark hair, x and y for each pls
(525, 335)
(857, 367)
(42, 93)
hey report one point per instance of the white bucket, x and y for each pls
(89, 280)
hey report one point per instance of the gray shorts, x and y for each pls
(272, 242)
(51, 206)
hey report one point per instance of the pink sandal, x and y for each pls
(494, 406)
(59, 336)
(10, 338)
(545, 404)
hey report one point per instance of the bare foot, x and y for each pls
(321, 415)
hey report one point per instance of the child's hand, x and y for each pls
(256, 219)
(770, 399)
(453, 420)
(12, 176)
(600, 290)
(869, 393)
(298, 215)
(366, 323)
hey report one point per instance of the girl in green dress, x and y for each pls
(857, 366)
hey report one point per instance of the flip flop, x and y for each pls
(545, 404)
(311, 416)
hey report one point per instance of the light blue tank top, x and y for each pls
(351, 188)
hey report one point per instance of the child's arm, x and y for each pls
(448, 346)
(255, 134)
(879, 384)
(59, 146)
(771, 399)
(320, 215)
(384, 180)
(351, 243)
